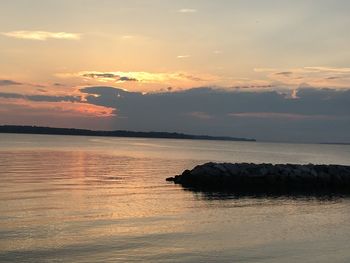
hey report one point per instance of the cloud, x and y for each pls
(183, 56)
(312, 115)
(304, 114)
(114, 76)
(8, 82)
(139, 76)
(127, 79)
(265, 70)
(42, 35)
(57, 84)
(215, 101)
(42, 90)
(284, 73)
(190, 77)
(200, 115)
(21, 107)
(333, 77)
(46, 98)
(143, 81)
(187, 10)
(254, 87)
(313, 76)
(328, 69)
(281, 115)
(24, 107)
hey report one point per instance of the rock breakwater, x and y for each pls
(249, 178)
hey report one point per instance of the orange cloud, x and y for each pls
(69, 109)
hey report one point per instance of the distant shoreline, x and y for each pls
(336, 143)
(118, 133)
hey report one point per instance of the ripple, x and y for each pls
(76, 200)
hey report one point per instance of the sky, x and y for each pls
(270, 70)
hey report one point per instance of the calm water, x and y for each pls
(87, 199)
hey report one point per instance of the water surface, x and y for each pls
(96, 199)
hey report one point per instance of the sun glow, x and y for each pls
(140, 76)
(41, 35)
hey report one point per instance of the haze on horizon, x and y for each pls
(270, 70)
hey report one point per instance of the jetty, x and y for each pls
(266, 178)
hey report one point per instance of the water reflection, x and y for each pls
(73, 200)
(227, 195)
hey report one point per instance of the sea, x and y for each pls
(101, 199)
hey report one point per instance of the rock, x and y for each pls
(220, 167)
(186, 172)
(249, 178)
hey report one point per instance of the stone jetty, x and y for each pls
(269, 179)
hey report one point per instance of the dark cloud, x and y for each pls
(313, 115)
(42, 90)
(8, 82)
(11, 95)
(190, 77)
(219, 101)
(284, 73)
(310, 115)
(333, 77)
(44, 98)
(59, 84)
(254, 87)
(100, 75)
(126, 79)
(108, 76)
(49, 98)
(36, 85)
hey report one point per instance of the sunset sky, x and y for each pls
(271, 70)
